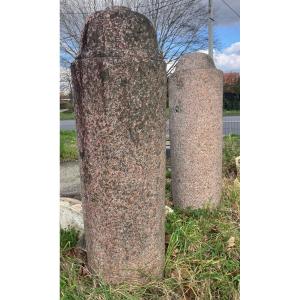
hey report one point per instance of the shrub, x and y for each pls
(66, 104)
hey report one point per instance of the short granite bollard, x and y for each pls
(196, 97)
(119, 83)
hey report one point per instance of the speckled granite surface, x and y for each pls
(196, 97)
(119, 82)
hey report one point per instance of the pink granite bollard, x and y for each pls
(119, 83)
(196, 97)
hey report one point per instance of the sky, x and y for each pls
(226, 30)
(226, 35)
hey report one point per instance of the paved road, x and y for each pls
(67, 125)
(231, 118)
(231, 125)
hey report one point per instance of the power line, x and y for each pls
(234, 11)
(163, 4)
(210, 29)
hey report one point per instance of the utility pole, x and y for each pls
(210, 29)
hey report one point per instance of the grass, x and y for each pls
(202, 252)
(68, 239)
(68, 145)
(202, 259)
(67, 115)
(231, 113)
(231, 149)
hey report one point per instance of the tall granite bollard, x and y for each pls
(119, 83)
(196, 97)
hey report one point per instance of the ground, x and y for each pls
(202, 251)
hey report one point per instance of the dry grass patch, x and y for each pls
(202, 258)
(202, 252)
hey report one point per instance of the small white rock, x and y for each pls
(168, 210)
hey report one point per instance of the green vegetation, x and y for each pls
(231, 113)
(202, 259)
(168, 173)
(231, 96)
(231, 150)
(66, 104)
(168, 193)
(68, 145)
(68, 239)
(67, 115)
(231, 102)
(202, 252)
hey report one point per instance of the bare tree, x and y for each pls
(181, 25)
(65, 82)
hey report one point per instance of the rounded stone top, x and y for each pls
(196, 60)
(118, 32)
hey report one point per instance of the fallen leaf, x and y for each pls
(185, 274)
(174, 254)
(214, 229)
(192, 247)
(84, 271)
(231, 242)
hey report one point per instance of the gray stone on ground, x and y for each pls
(71, 214)
(70, 179)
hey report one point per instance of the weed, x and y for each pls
(68, 238)
(202, 253)
(68, 145)
(231, 149)
(67, 115)
(202, 259)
